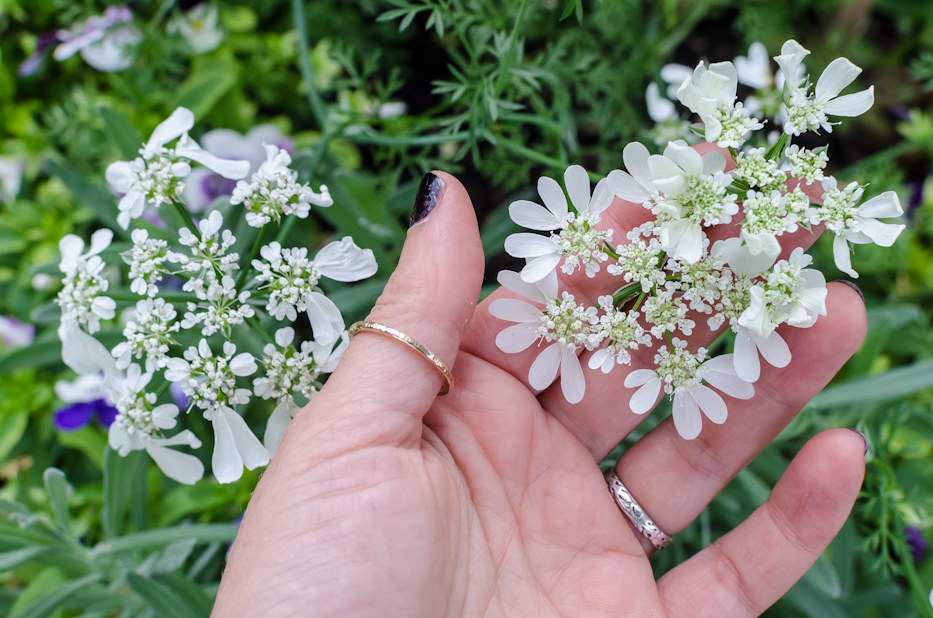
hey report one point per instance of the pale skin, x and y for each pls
(386, 500)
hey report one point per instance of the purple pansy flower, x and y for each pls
(919, 546)
(31, 64)
(15, 333)
(87, 398)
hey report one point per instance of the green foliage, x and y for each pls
(500, 93)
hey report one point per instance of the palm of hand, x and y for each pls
(491, 502)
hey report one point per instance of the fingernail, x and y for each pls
(864, 438)
(429, 194)
(853, 286)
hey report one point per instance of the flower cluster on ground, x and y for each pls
(716, 247)
(188, 349)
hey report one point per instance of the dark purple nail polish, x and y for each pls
(853, 286)
(429, 194)
(863, 436)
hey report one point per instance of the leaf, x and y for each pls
(198, 498)
(823, 577)
(119, 475)
(891, 384)
(39, 354)
(52, 601)
(57, 486)
(204, 533)
(211, 79)
(173, 556)
(189, 591)
(161, 598)
(122, 132)
(90, 440)
(12, 428)
(13, 559)
(92, 196)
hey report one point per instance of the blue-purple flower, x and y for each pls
(919, 546)
(86, 398)
(106, 42)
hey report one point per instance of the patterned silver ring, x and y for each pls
(628, 505)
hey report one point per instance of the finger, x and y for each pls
(750, 568)
(382, 387)
(675, 479)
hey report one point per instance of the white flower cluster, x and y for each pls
(690, 260)
(273, 192)
(223, 297)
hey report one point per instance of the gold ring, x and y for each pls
(388, 331)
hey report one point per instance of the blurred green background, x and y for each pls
(498, 93)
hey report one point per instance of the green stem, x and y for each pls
(735, 155)
(252, 256)
(504, 62)
(641, 299)
(607, 249)
(304, 63)
(414, 140)
(262, 331)
(132, 298)
(186, 219)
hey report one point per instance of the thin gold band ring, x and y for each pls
(388, 331)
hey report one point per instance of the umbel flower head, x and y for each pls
(681, 274)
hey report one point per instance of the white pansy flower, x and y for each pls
(574, 237)
(146, 260)
(695, 194)
(562, 323)
(210, 384)
(807, 112)
(148, 334)
(155, 177)
(621, 332)
(107, 42)
(199, 27)
(856, 223)
(292, 279)
(290, 371)
(710, 92)
(140, 422)
(681, 374)
(274, 192)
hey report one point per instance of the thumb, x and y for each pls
(382, 388)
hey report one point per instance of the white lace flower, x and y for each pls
(146, 260)
(155, 177)
(139, 425)
(769, 215)
(274, 192)
(639, 260)
(793, 294)
(681, 373)
(574, 236)
(290, 371)
(694, 195)
(710, 92)
(758, 171)
(210, 384)
(148, 334)
(806, 164)
(224, 309)
(209, 261)
(291, 279)
(621, 332)
(81, 297)
(857, 223)
(666, 313)
(807, 112)
(563, 323)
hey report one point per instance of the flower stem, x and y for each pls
(252, 256)
(254, 322)
(187, 219)
(304, 63)
(513, 40)
(641, 299)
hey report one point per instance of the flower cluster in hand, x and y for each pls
(189, 337)
(707, 255)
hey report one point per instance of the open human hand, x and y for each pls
(386, 500)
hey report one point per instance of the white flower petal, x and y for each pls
(882, 234)
(120, 176)
(635, 156)
(517, 338)
(687, 417)
(253, 453)
(553, 197)
(544, 369)
(243, 364)
(180, 122)
(713, 161)
(602, 197)
(851, 105)
(182, 467)
(540, 268)
(639, 377)
(842, 256)
(548, 285)
(578, 187)
(532, 216)
(773, 349)
(513, 310)
(226, 462)
(83, 353)
(747, 365)
(234, 170)
(720, 374)
(343, 261)
(645, 397)
(528, 245)
(324, 316)
(659, 108)
(710, 403)
(684, 156)
(513, 282)
(628, 188)
(884, 206)
(572, 382)
(278, 422)
(839, 74)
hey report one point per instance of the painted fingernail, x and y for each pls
(853, 286)
(429, 194)
(863, 436)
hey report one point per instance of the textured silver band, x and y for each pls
(628, 505)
